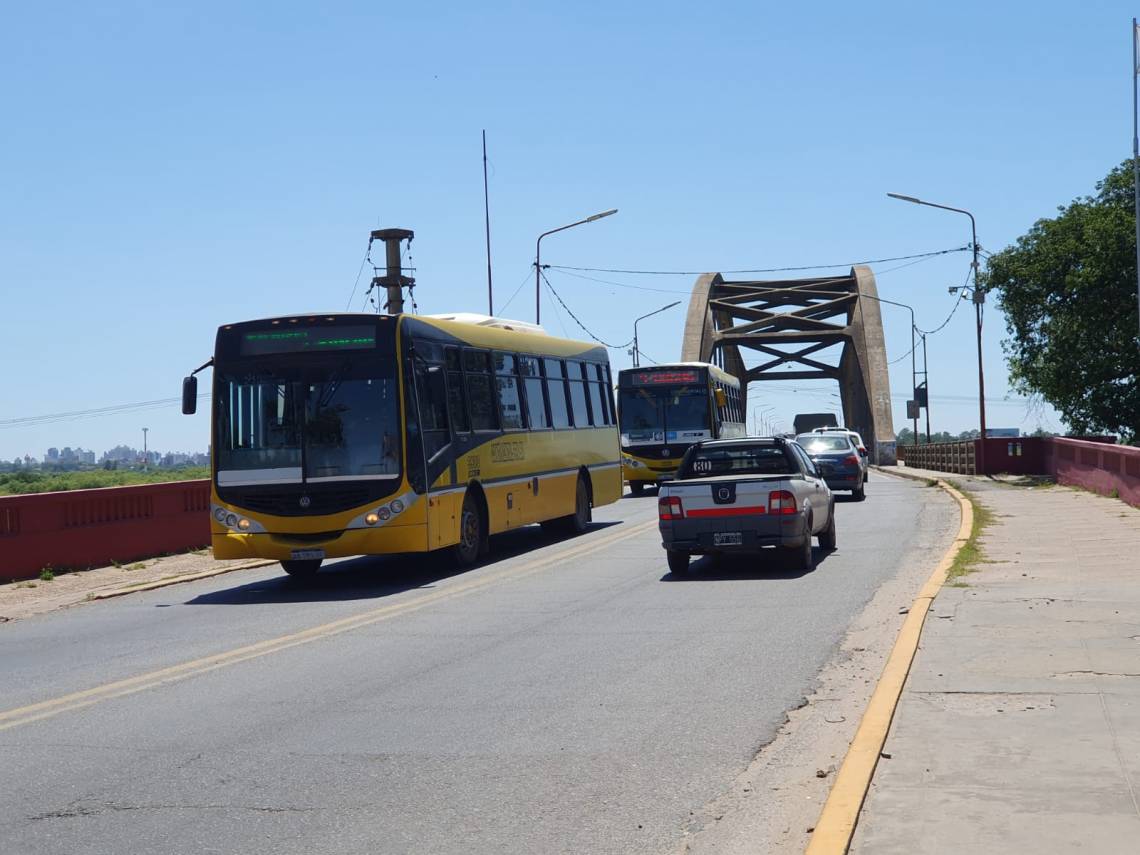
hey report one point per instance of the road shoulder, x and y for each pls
(22, 600)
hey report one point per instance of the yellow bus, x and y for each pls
(352, 434)
(664, 409)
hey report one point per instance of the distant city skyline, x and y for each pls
(122, 453)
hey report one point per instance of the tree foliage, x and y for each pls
(1068, 290)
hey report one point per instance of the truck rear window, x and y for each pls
(755, 460)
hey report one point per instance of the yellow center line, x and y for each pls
(129, 686)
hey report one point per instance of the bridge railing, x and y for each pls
(956, 457)
(78, 529)
(1095, 463)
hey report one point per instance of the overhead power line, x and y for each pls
(76, 415)
(759, 269)
(585, 329)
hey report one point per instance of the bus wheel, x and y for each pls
(637, 487)
(470, 544)
(301, 569)
(577, 521)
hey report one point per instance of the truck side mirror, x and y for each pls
(189, 395)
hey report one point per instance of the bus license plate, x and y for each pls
(308, 554)
(727, 538)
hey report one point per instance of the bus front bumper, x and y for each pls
(284, 547)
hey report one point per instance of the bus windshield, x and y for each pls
(664, 413)
(287, 422)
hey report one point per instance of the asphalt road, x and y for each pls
(567, 696)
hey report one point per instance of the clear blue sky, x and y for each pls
(168, 168)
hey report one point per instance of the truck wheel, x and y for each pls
(470, 544)
(802, 557)
(827, 536)
(301, 569)
(678, 562)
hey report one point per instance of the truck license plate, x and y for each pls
(727, 538)
(308, 554)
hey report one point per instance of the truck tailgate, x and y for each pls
(727, 513)
(725, 497)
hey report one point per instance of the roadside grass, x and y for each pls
(971, 554)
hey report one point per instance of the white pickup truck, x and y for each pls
(740, 495)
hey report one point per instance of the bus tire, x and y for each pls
(578, 521)
(637, 487)
(301, 569)
(471, 532)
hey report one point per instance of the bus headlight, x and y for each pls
(631, 462)
(220, 514)
(231, 520)
(396, 506)
(371, 519)
(384, 513)
(244, 524)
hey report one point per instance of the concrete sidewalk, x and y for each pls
(1019, 727)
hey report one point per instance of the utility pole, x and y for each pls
(145, 460)
(393, 281)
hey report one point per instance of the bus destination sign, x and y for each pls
(307, 340)
(654, 378)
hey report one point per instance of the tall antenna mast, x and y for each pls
(487, 218)
(393, 281)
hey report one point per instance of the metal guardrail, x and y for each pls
(956, 457)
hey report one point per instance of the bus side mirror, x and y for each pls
(189, 395)
(721, 398)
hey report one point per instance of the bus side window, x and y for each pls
(480, 397)
(456, 398)
(576, 372)
(535, 395)
(556, 393)
(510, 407)
(597, 395)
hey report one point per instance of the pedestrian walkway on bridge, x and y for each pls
(1019, 726)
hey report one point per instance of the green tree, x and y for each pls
(1068, 290)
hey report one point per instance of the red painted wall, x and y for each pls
(89, 528)
(1095, 465)
(1016, 455)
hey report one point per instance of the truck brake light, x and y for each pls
(781, 502)
(669, 508)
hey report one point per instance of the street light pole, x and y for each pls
(926, 382)
(145, 461)
(636, 352)
(538, 255)
(979, 299)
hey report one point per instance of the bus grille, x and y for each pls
(288, 503)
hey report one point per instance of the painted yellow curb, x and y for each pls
(836, 825)
(174, 580)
